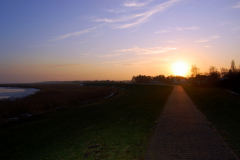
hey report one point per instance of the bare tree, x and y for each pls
(205, 73)
(233, 66)
(212, 69)
(223, 71)
(214, 75)
(195, 71)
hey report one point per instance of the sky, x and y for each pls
(64, 40)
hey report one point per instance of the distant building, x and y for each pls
(175, 80)
(154, 82)
(182, 80)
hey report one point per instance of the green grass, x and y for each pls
(222, 108)
(116, 128)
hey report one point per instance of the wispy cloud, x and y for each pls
(235, 29)
(147, 51)
(170, 41)
(79, 42)
(139, 21)
(163, 31)
(57, 65)
(73, 34)
(68, 65)
(207, 39)
(139, 18)
(110, 55)
(237, 5)
(135, 3)
(135, 63)
(170, 29)
(129, 64)
(215, 37)
(116, 10)
(160, 59)
(202, 40)
(187, 28)
(224, 23)
(112, 62)
(139, 62)
(43, 45)
(121, 19)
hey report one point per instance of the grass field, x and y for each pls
(51, 97)
(222, 108)
(115, 128)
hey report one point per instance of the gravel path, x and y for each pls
(184, 133)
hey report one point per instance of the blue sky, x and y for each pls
(114, 39)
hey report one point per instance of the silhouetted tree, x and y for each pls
(195, 71)
(169, 79)
(159, 78)
(223, 72)
(228, 78)
(141, 79)
(147, 79)
(233, 66)
(214, 76)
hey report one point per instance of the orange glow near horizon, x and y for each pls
(180, 69)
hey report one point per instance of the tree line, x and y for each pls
(156, 79)
(227, 78)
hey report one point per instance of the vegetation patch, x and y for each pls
(115, 128)
(51, 97)
(222, 108)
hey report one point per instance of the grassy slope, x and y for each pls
(118, 128)
(222, 108)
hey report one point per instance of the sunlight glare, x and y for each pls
(180, 68)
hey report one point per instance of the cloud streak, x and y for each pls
(235, 29)
(74, 34)
(163, 31)
(237, 6)
(116, 10)
(122, 19)
(188, 28)
(110, 55)
(136, 4)
(202, 40)
(58, 65)
(139, 18)
(177, 29)
(207, 39)
(147, 51)
(215, 37)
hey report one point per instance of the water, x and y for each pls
(10, 92)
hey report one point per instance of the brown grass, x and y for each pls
(51, 97)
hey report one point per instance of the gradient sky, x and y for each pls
(48, 40)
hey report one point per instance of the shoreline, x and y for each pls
(23, 92)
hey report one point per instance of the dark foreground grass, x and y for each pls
(51, 97)
(222, 108)
(116, 128)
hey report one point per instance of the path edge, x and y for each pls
(156, 124)
(214, 129)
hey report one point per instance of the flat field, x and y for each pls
(119, 127)
(222, 108)
(51, 97)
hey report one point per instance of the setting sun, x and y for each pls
(180, 68)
